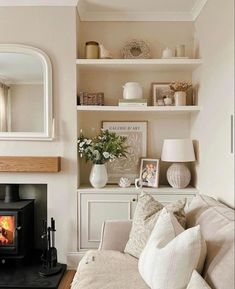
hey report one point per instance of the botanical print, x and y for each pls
(149, 172)
(136, 133)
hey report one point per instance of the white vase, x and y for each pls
(180, 98)
(98, 176)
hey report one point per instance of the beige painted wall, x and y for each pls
(27, 107)
(211, 128)
(52, 29)
(114, 35)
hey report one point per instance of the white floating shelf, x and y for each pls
(109, 189)
(140, 64)
(171, 109)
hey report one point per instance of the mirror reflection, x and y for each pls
(21, 93)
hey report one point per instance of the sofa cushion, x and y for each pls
(217, 225)
(146, 214)
(197, 282)
(171, 254)
(108, 270)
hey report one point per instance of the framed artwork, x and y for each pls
(160, 91)
(136, 133)
(149, 172)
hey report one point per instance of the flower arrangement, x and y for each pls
(180, 86)
(105, 147)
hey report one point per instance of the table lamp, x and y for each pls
(178, 151)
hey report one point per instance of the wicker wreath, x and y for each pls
(136, 49)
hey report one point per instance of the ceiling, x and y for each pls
(140, 10)
(124, 10)
(18, 68)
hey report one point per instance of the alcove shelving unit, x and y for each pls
(108, 76)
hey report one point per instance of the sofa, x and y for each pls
(110, 268)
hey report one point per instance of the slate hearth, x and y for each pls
(27, 277)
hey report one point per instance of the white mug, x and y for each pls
(138, 183)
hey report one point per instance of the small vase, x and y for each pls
(180, 98)
(98, 176)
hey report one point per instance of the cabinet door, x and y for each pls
(97, 208)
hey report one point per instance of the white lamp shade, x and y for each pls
(178, 150)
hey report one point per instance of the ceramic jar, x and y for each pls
(180, 98)
(167, 53)
(132, 90)
(92, 50)
(98, 176)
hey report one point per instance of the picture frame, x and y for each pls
(136, 133)
(160, 90)
(149, 172)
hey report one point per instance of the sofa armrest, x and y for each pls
(114, 235)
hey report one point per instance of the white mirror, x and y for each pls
(25, 93)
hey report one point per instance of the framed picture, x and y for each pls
(149, 172)
(160, 91)
(136, 133)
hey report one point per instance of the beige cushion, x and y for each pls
(217, 225)
(197, 282)
(146, 214)
(108, 270)
(171, 254)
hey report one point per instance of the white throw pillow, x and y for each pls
(197, 282)
(171, 254)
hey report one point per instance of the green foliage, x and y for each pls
(107, 146)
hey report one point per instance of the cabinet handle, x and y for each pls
(134, 200)
(232, 133)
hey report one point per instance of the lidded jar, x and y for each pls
(132, 90)
(92, 50)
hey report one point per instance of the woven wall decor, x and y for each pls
(136, 49)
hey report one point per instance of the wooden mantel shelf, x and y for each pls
(30, 164)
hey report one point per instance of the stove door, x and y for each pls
(8, 233)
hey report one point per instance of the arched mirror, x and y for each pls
(25, 93)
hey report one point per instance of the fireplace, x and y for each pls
(16, 229)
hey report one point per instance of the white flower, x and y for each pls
(106, 155)
(89, 141)
(82, 144)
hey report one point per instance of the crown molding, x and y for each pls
(39, 3)
(132, 16)
(197, 8)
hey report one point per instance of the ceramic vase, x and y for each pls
(180, 98)
(98, 176)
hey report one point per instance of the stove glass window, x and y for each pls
(6, 230)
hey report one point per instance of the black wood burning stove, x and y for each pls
(16, 228)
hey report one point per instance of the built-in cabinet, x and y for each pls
(108, 76)
(113, 203)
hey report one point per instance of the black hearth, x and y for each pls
(16, 229)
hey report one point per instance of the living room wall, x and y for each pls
(212, 127)
(52, 29)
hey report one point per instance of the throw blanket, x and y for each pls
(108, 270)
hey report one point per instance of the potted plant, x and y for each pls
(180, 88)
(106, 147)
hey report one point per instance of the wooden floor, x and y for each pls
(67, 279)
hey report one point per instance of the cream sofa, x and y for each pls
(110, 268)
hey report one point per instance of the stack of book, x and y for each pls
(133, 102)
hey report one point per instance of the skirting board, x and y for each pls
(73, 259)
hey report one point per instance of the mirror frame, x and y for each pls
(48, 132)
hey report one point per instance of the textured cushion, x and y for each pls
(217, 225)
(108, 270)
(197, 282)
(145, 217)
(171, 254)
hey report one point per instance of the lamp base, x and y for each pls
(178, 175)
